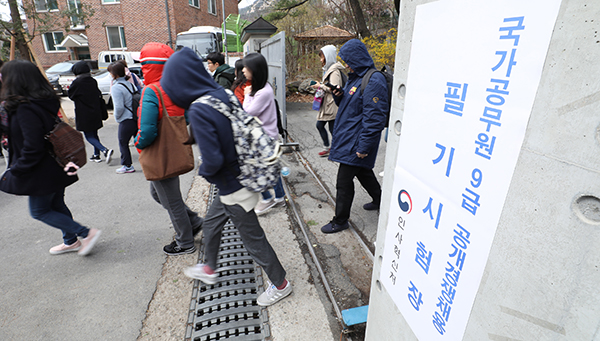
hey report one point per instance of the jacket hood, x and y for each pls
(80, 68)
(355, 54)
(330, 53)
(185, 79)
(153, 57)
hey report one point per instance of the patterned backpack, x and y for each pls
(258, 154)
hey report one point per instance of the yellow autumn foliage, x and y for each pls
(382, 48)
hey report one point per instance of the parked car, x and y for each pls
(65, 79)
(60, 75)
(104, 80)
(55, 71)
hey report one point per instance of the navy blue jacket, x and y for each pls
(360, 118)
(32, 170)
(211, 129)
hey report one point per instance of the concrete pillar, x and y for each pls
(542, 275)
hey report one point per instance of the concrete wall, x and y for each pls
(541, 279)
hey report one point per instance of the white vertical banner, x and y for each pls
(474, 71)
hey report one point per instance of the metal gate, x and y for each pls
(273, 49)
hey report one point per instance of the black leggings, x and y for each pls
(323, 132)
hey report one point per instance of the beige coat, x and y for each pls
(329, 109)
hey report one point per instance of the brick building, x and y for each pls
(123, 24)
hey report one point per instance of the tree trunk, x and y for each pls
(363, 31)
(20, 42)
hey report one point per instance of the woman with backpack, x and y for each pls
(90, 109)
(122, 92)
(333, 73)
(32, 108)
(259, 101)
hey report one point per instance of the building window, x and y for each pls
(195, 3)
(76, 21)
(111, 1)
(51, 39)
(46, 5)
(116, 37)
(212, 6)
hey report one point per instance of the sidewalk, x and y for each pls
(128, 289)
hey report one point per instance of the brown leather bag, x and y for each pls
(167, 156)
(67, 144)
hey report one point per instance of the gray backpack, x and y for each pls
(258, 153)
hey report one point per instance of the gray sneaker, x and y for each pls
(273, 295)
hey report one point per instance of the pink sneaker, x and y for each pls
(62, 248)
(87, 243)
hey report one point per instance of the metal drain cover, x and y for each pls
(228, 310)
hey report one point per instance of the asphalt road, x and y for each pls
(104, 295)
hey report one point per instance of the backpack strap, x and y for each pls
(341, 78)
(366, 79)
(134, 91)
(235, 112)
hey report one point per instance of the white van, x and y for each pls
(107, 57)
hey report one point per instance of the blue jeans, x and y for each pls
(94, 140)
(52, 210)
(279, 192)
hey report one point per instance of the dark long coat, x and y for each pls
(89, 110)
(32, 171)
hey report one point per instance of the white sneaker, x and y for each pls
(264, 205)
(197, 272)
(273, 295)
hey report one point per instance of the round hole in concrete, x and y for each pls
(378, 284)
(380, 259)
(402, 90)
(397, 127)
(587, 208)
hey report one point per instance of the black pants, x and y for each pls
(323, 132)
(127, 130)
(345, 189)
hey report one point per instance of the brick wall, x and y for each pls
(143, 21)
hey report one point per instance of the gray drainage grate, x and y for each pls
(228, 309)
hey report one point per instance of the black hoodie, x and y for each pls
(184, 80)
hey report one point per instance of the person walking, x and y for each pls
(356, 134)
(165, 192)
(32, 108)
(121, 93)
(90, 109)
(133, 78)
(259, 101)
(332, 74)
(222, 73)
(213, 133)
